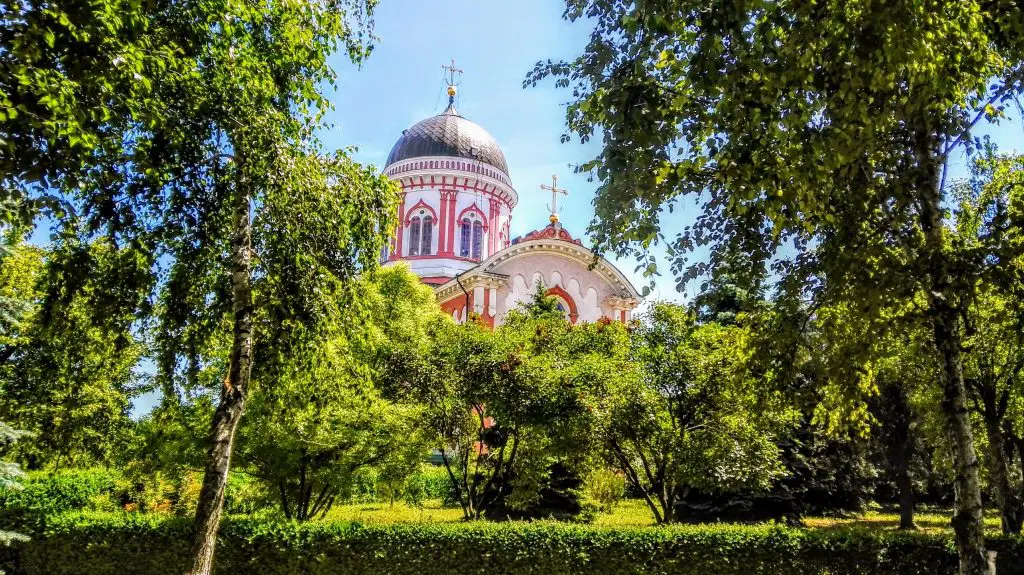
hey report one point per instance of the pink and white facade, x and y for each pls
(455, 216)
(457, 201)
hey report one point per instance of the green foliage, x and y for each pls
(698, 420)
(73, 362)
(140, 544)
(516, 412)
(424, 483)
(813, 137)
(605, 487)
(44, 494)
(49, 493)
(310, 429)
(10, 481)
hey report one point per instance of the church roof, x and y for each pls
(553, 231)
(448, 134)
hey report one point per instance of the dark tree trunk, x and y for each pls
(907, 499)
(1010, 511)
(897, 418)
(233, 393)
(945, 324)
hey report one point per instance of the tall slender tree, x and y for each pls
(823, 128)
(187, 130)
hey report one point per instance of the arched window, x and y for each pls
(428, 234)
(471, 240)
(466, 237)
(478, 239)
(414, 236)
(421, 230)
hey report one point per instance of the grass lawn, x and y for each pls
(633, 512)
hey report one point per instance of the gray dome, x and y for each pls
(448, 134)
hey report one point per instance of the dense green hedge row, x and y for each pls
(47, 493)
(119, 544)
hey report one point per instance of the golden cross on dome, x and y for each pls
(555, 190)
(452, 70)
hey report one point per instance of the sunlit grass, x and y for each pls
(931, 521)
(634, 512)
(399, 512)
(627, 512)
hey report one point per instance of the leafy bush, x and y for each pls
(52, 493)
(429, 482)
(117, 543)
(146, 491)
(605, 487)
(244, 495)
(49, 493)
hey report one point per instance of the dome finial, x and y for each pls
(452, 70)
(555, 190)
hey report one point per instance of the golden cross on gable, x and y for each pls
(452, 70)
(555, 190)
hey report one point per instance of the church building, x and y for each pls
(454, 221)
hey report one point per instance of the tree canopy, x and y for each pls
(814, 136)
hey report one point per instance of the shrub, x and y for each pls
(146, 491)
(243, 495)
(429, 482)
(50, 493)
(605, 487)
(118, 543)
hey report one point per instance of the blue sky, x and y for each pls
(496, 43)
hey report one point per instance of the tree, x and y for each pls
(992, 370)
(216, 175)
(10, 473)
(994, 356)
(209, 165)
(306, 437)
(696, 420)
(310, 429)
(814, 128)
(901, 375)
(515, 413)
(75, 78)
(13, 305)
(74, 365)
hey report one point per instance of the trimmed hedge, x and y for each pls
(118, 544)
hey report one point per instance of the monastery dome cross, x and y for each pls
(452, 70)
(555, 190)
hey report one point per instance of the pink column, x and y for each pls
(492, 242)
(451, 222)
(442, 224)
(401, 228)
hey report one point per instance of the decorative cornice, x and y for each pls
(569, 250)
(618, 303)
(482, 178)
(470, 279)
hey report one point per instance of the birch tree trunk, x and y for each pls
(945, 324)
(233, 394)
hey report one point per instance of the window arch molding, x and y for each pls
(415, 211)
(473, 209)
(472, 226)
(421, 222)
(563, 296)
